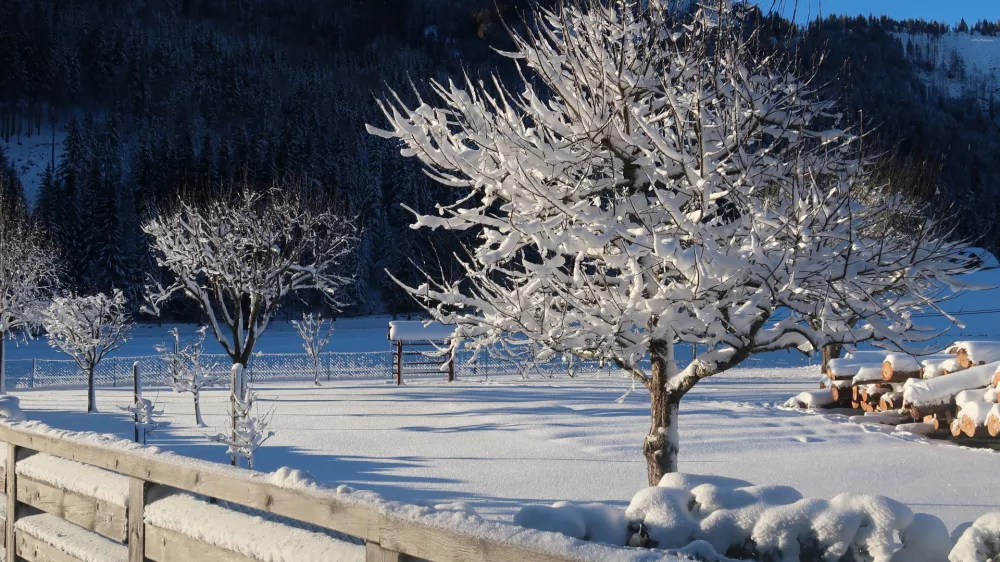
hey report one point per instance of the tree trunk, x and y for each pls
(662, 443)
(316, 370)
(91, 394)
(197, 409)
(830, 351)
(3, 363)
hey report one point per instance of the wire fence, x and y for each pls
(375, 365)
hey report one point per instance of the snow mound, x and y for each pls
(590, 522)
(980, 542)
(10, 408)
(810, 399)
(292, 479)
(925, 540)
(245, 534)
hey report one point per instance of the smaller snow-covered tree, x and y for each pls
(248, 429)
(239, 259)
(87, 328)
(315, 332)
(188, 372)
(28, 269)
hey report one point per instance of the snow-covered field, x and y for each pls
(501, 444)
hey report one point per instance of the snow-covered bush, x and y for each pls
(652, 185)
(726, 518)
(87, 328)
(315, 333)
(980, 542)
(188, 371)
(238, 259)
(248, 429)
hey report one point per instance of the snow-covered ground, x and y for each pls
(501, 444)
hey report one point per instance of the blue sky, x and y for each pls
(949, 11)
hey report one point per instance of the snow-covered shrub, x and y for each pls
(315, 332)
(715, 518)
(980, 542)
(188, 372)
(248, 428)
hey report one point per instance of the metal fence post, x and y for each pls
(31, 381)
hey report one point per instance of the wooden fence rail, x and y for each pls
(388, 537)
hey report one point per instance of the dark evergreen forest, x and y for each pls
(161, 99)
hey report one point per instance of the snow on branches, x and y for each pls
(248, 429)
(28, 270)
(651, 183)
(315, 333)
(188, 370)
(87, 328)
(239, 259)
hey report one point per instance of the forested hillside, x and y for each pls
(149, 100)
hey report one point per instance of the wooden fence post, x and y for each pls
(11, 489)
(136, 396)
(137, 490)
(399, 362)
(375, 553)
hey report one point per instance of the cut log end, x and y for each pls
(993, 425)
(968, 427)
(889, 374)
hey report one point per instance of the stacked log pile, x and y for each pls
(954, 394)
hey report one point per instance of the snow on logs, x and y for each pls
(972, 353)
(900, 367)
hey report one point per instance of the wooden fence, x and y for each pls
(387, 537)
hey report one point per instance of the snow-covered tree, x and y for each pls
(188, 371)
(655, 180)
(87, 328)
(28, 270)
(239, 259)
(315, 332)
(248, 428)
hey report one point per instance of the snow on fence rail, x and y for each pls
(83, 496)
(117, 371)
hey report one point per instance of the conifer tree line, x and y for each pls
(182, 99)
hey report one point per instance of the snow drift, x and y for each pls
(720, 519)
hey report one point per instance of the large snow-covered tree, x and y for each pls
(28, 271)
(239, 259)
(87, 328)
(656, 180)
